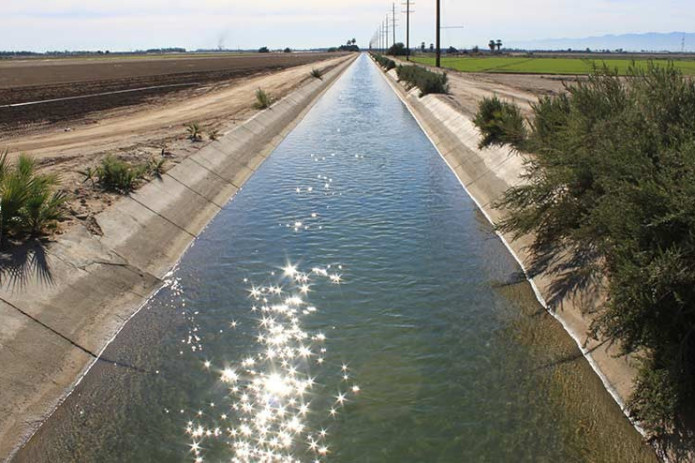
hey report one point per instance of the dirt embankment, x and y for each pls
(153, 129)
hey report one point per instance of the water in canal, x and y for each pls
(349, 305)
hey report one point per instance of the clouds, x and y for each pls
(132, 24)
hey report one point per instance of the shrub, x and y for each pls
(427, 81)
(610, 188)
(316, 73)
(214, 134)
(28, 204)
(263, 99)
(194, 132)
(384, 62)
(500, 123)
(119, 176)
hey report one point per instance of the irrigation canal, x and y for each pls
(350, 304)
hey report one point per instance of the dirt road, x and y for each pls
(62, 84)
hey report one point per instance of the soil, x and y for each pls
(468, 88)
(33, 80)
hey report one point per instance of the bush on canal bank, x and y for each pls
(610, 187)
(427, 81)
(501, 123)
(119, 176)
(384, 62)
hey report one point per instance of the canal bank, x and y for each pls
(70, 298)
(486, 174)
(350, 304)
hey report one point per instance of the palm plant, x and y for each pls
(194, 132)
(155, 167)
(28, 206)
(499, 45)
(42, 210)
(90, 174)
(316, 73)
(492, 44)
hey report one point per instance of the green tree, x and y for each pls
(397, 49)
(608, 199)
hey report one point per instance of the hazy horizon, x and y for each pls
(128, 25)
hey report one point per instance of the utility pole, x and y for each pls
(407, 30)
(439, 31)
(381, 37)
(393, 17)
(387, 32)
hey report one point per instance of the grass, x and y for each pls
(119, 176)
(559, 66)
(263, 99)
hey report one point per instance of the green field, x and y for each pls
(544, 65)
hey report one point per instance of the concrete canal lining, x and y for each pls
(486, 175)
(61, 310)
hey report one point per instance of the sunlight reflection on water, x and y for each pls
(269, 413)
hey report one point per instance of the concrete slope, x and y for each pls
(62, 307)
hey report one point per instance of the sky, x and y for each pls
(125, 25)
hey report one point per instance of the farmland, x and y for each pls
(84, 81)
(559, 66)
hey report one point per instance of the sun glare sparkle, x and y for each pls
(271, 390)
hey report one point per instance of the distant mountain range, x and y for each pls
(652, 41)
